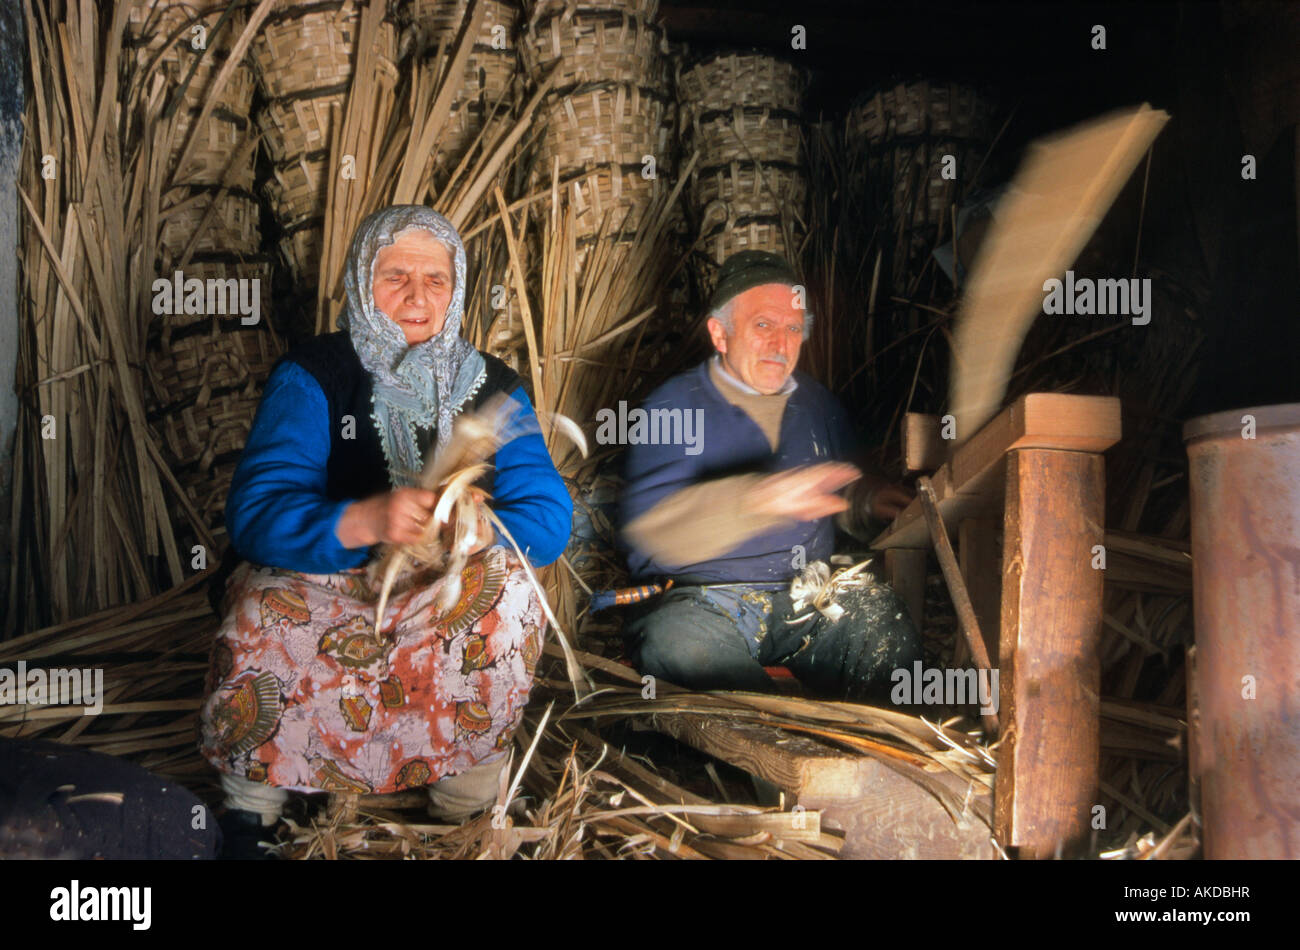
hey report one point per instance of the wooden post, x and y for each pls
(1048, 759)
(905, 568)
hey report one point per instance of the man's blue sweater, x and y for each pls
(814, 429)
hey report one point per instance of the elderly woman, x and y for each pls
(303, 693)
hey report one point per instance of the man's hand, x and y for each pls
(395, 517)
(802, 494)
(888, 500)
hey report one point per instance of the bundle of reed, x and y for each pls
(100, 162)
(741, 111)
(153, 656)
(599, 333)
(206, 364)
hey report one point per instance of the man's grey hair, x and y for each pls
(726, 316)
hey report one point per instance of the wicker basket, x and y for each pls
(747, 134)
(299, 125)
(213, 150)
(300, 249)
(727, 79)
(233, 228)
(613, 195)
(223, 266)
(750, 190)
(903, 133)
(161, 32)
(542, 9)
(606, 124)
(441, 19)
(743, 234)
(309, 47)
(598, 46)
(297, 190)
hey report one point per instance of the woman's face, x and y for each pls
(413, 282)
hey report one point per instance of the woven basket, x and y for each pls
(310, 47)
(760, 233)
(297, 190)
(160, 33)
(606, 124)
(541, 9)
(441, 20)
(727, 79)
(167, 327)
(749, 190)
(905, 131)
(232, 229)
(747, 134)
(213, 150)
(612, 194)
(598, 46)
(300, 250)
(299, 126)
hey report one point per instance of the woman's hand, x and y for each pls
(395, 517)
(483, 530)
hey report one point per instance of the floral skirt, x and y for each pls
(301, 694)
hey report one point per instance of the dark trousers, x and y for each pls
(686, 640)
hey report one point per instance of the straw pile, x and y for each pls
(741, 112)
(305, 55)
(205, 369)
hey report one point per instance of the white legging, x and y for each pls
(452, 799)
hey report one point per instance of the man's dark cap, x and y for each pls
(746, 269)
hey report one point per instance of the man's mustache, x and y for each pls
(777, 358)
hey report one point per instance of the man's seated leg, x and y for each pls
(683, 639)
(855, 657)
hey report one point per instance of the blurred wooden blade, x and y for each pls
(1060, 194)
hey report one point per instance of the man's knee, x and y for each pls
(689, 644)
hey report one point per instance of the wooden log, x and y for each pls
(882, 813)
(1048, 759)
(905, 571)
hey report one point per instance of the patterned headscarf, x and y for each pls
(414, 386)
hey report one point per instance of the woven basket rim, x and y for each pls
(983, 90)
(705, 57)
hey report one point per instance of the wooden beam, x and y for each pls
(970, 482)
(1050, 673)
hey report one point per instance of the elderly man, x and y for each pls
(734, 521)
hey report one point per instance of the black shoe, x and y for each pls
(244, 837)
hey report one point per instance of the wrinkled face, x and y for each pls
(413, 283)
(762, 346)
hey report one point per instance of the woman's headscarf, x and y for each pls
(414, 386)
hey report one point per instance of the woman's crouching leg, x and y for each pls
(305, 695)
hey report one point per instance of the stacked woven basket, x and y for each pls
(205, 369)
(901, 135)
(748, 191)
(303, 56)
(608, 120)
(491, 81)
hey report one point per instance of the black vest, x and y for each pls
(357, 467)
